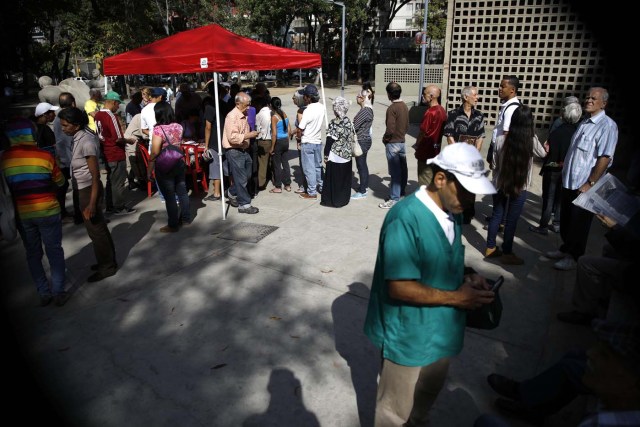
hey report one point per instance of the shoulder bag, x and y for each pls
(356, 149)
(169, 156)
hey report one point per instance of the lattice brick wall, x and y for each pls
(542, 42)
(408, 76)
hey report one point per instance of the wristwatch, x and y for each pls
(592, 183)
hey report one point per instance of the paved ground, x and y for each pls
(196, 330)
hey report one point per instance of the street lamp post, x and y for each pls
(342, 72)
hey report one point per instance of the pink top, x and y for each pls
(173, 132)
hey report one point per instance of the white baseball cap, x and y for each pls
(43, 107)
(466, 163)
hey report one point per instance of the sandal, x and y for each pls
(287, 188)
(275, 190)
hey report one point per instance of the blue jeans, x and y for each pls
(363, 169)
(240, 166)
(34, 233)
(500, 203)
(397, 162)
(551, 186)
(170, 184)
(312, 166)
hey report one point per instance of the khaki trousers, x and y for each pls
(406, 393)
(264, 147)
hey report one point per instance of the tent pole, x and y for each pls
(223, 204)
(324, 101)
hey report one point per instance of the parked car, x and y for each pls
(305, 73)
(271, 75)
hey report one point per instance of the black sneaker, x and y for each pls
(61, 299)
(249, 210)
(124, 211)
(233, 202)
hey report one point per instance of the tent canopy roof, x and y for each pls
(207, 49)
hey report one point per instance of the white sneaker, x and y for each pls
(555, 254)
(358, 196)
(565, 264)
(387, 204)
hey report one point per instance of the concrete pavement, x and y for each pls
(196, 330)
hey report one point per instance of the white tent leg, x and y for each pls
(222, 200)
(324, 101)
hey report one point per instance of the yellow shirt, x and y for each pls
(92, 106)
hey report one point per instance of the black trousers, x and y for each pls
(575, 223)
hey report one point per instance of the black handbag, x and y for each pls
(488, 316)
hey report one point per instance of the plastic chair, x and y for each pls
(193, 160)
(143, 153)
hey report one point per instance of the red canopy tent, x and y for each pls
(209, 49)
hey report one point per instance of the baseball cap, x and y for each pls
(158, 91)
(310, 90)
(43, 107)
(623, 337)
(466, 163)
(112, 96)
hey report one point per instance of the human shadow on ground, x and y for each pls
(286, 407)
(125, 236)
(349, 312)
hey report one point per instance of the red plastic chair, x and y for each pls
(143, 153)
(193, 159)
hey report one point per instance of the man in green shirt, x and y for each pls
(420, 291)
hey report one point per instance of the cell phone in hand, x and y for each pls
(497, 284)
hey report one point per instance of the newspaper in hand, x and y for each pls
(610, 197)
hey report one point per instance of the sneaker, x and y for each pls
(539, 230)
(124, 211)
(359, 196)
(565, 264)
(250, 210)
(45, 300)
(211, 198)
(233, 202)
(61, 299)
(555, 228)
(388, 204)
(167, 229)
(555, 254)
(308, 196)
(511, 259)
(576, 317)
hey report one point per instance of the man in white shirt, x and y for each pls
(263, 126)
(310, 129)
(148, 114)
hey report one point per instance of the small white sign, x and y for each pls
(204, 63)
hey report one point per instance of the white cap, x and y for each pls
(43, 107)
(465, 162)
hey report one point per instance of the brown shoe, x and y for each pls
(511, 259)
(308, 196)
(167, 229)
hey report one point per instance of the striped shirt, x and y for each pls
(595, 137)
(30, 173)
(362, 122)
